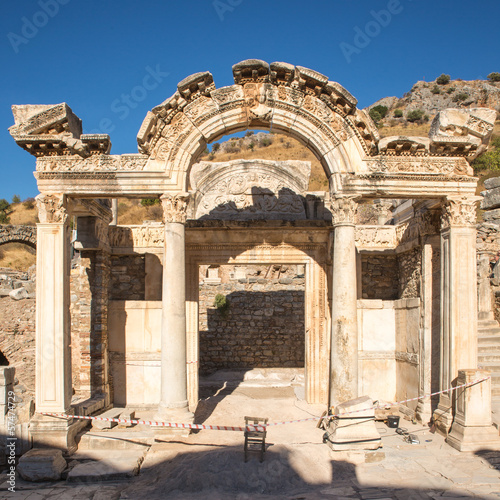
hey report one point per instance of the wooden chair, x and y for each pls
(255, 440)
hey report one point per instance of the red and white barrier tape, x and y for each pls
(251, 428)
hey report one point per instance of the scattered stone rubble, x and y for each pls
(18, 285)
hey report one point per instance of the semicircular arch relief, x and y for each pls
(296, 101)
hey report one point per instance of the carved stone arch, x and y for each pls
(18, 234)
(294, 100)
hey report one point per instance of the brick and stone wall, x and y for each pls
(263, 325)
(379, 277)
(127, 280)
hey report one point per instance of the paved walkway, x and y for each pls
(209, 464)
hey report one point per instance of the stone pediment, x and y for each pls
(250, 189)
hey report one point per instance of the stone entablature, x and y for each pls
(282, 97)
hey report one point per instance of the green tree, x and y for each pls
(381, 110)
(375, 115)
(443, 79)
(16, 199)
(415, 115)
(494, 77)
(215, 147)
(4, 207)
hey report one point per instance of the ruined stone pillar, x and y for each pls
(484, 295)
(344, 345)
(458, 299)
(174, 398)
(53, 353)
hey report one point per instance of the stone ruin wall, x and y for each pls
(264, 323)
(391, 277)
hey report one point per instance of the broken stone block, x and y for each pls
(353, 426)
(103, 424)
(126, 415)
(18, 294)
(41, 465)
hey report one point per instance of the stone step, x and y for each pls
(104, 465)
(103, 424)
(485, 332)
(488, 339)
(489, 348)
(488, 357)
(115, 440)
(487, 323)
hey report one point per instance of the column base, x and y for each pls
(175, 413)
(469, 438)
(55, 432)
(442, 418)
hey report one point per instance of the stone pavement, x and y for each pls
(209, 464)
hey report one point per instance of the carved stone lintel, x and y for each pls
(51, 208)
(344, 209)
(175, 207)
(459, 211)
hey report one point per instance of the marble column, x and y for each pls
(344, 342)
(174, 398)
(53, 353)
(458, 300)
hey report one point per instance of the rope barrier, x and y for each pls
(259, 428)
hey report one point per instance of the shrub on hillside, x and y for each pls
(461, 96)
(29, 203)
(415, 115)
(494, 77)
(443, 79)
(451, 90)
(488, 161)
(382, 110)
(398, 113)
(16, 199)
(149, 202)
(436, 90)
(375, 115)
(215, 147)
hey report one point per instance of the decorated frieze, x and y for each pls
(250, 189)
(144, 236)
(96, 163)
(419, 165)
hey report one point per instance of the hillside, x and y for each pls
(265, 146)
(432, 97)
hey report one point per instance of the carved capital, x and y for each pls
(428, 222)
(344, 209)
(175, 207)
(459, 211)
(51, 208)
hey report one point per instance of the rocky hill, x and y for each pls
(432, 97)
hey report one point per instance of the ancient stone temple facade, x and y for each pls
(389, 310)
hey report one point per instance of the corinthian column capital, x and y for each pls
(175, 207)
(459, 211)
(51, 208)
(344, 209)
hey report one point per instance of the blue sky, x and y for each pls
(97, 55)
